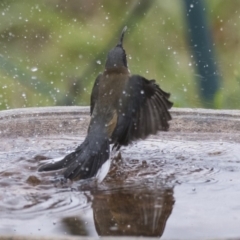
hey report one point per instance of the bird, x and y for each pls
(123, 108)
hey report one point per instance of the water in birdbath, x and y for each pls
(170, 186)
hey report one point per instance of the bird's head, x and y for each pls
(117, 56)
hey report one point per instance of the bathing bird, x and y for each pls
(123, 108)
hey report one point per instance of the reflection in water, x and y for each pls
(136, 199)
(132, 212)
(75, 226)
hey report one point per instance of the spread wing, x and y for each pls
(148, 107)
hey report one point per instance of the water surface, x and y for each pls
(174, 188)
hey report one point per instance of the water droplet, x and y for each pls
(34, 69)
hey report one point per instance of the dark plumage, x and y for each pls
(124, 108)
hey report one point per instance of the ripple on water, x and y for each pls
(27, 194)
(187, 162)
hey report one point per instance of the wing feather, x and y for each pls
(148, 107)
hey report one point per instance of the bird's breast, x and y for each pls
(112, 89)
(111, 95)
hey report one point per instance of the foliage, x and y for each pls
(52, 50)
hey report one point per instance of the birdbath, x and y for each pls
(181, 184)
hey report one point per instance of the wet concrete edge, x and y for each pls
(83, 238)
(44, 121)
(71, 238)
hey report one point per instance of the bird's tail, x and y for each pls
(85, 161)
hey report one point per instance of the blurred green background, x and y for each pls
(52, 50)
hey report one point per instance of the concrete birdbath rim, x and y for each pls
(49, 120)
